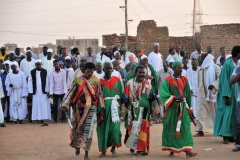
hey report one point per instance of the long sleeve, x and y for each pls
(189, 78)
(30, 83)
(65, 83)
(165, 95)
(51, 84)
(7, 83)
(24, 85)
(47, 84)
(1, 90)
(21, 65)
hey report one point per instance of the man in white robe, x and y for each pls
(38, 86)
(100, 57)
(192, 75)
(69, 71)
(155, 58)
(208, 77)
(47, 63)
(16, 86)
(27, 64)
(99, 72)
(117, 56)
(125, 54)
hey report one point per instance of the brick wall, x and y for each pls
(148, 33)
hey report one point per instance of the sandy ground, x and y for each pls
(33, 142)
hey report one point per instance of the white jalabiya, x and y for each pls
(193, 83)
(40, 102)
(156, 60)
(1, 111)
(70, 78)
(26, 66)
(104, 58)
(184, 73)
(18, 104)
(99, 75)
(41, 55)
(47, 64)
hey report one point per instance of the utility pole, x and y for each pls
(126, 25)
(194, 18)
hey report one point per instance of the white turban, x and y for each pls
(103, 46)
(49, 50)
(156, 44)
(143, 56)
(28, 51)
(115, 53)
(71, 48)
(10, 52)
(14, 64)
(67, 57)
(38, 61)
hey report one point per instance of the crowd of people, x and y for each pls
(116, 85)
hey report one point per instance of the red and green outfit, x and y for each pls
(176, 135)
(108, 128)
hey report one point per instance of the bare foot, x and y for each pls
(77, 152)
(171, 154)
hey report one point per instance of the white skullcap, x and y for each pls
(104, 46)
(49, 50)
(28, 51)
(115, 53)
(71, 48)
(156, 44)
(143, 56)
(67, 57)
(38, 61)
(10, 52)
(14, 64)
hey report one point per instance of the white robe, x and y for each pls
(193, 83)
(18, 104)
(26, 66)
(70, 77)
(1, 111)
(48, 65)
(41, 109)
(156, 61)
(104, 58)
(99, 75)
(126, 58)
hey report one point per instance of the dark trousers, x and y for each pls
(5, 100)
(55, 106)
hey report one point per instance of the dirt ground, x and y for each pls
(33, 142)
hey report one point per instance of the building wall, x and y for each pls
(12, 47)
(81, 44)
(38, 50)
(148, 33)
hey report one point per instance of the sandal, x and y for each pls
(44, 124)
(235, 149)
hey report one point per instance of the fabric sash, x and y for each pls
(114, 108)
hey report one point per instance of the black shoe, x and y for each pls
(20, 122)
(2, 125)
(231, 139)
(225, 140)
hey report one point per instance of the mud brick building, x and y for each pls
(148, 32)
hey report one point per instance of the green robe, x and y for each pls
(225, 119)
(171, 139)
(154, 82)
(109, 133)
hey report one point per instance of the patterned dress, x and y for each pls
(81, 97)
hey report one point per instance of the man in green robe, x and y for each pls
(225, 119)
(108, 128)
(81, 98)
(176, 97)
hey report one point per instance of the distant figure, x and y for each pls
(89, 56)
(177, 55)
(198, 52)
(44, 53)
(155, 58)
